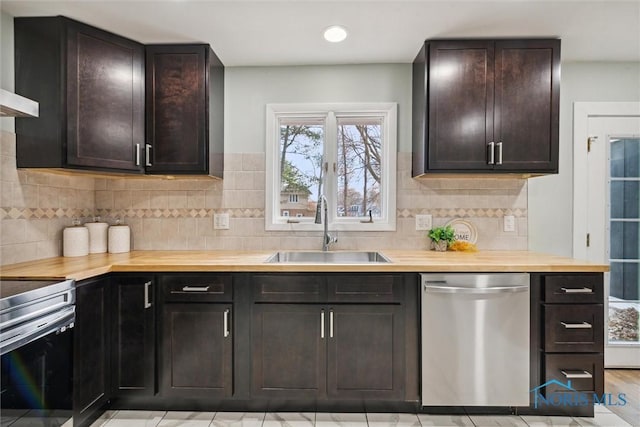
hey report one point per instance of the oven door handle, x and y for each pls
(28, 332)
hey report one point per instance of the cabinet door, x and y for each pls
(365, 352)
(177, 108)
(527, 93)
(91, 349)
(133, 342)
(105, 99)
(197, 350)
(288, 351)
(460, 116)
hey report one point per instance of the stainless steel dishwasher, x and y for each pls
(475, 339)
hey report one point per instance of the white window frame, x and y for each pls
(329, 114)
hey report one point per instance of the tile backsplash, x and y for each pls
(178, 213)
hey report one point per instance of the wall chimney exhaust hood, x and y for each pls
(12, 105)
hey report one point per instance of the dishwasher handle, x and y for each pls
(442, 288)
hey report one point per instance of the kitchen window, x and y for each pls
(346, 152)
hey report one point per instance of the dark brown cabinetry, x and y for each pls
(486, 106)
(347, 344)
(91, 363)
(569, 339)
(288, 351)
(133, 332)
(364, 346)
(185, 105)
(90, 86)
(197, 343)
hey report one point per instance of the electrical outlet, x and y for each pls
(221, 221)
(424, 222)
(509, 223)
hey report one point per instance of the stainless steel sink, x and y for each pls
(327, 257)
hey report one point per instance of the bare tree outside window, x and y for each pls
(300, 168)
(359, 167)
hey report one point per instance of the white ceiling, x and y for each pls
(289, 32)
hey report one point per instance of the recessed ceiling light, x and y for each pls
(335, 34)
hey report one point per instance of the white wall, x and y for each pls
(551, 197)
(249, 89)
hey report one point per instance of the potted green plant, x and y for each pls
(442, 237)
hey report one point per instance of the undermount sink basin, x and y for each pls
(327, 257)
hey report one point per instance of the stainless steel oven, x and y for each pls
(36, 347)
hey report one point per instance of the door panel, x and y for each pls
(197, 350)
(289, 351)
(612, 218)
(177, 123)
(527, 89)
(133, 336)
(105, 99)
(460, 104)
(365, 352)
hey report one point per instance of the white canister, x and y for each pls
(75, 240)
(97, 236)
(119, 239)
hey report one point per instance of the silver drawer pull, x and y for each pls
(147, 301)
(492, 153)
(226, 331)
(577, 290)
(576, 374)
(583, 325)
(195, 288)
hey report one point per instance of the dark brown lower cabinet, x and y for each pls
(91, 364)
(134, 326)
(288, 351)
(327, 352)
(567, 342)
(365, 352)
(197, 350)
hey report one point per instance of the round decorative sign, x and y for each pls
(465, 230)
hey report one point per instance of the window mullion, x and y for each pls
(330, 156)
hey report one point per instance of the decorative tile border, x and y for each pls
(50, 213)
(463, 213)
(44, 213)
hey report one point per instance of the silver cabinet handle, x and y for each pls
(137, 154)
(492, 154)
(576, 374)
(226, 323)
(147, 154)
(330, 323)
(583, 325)
(584, 290)
(147, 301)
(195, 288)
(499, 148)
(464, 290)
(321, 323)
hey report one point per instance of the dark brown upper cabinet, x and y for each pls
(185, 110)
(90, 86)
(486, 106)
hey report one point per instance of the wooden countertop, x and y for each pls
(80, 268)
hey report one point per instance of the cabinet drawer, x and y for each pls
(378, 288)
(289, 288)
(573, 288)
(585, 371)
(573, 328)
(197, 288)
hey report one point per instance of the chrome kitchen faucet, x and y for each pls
(327, 239)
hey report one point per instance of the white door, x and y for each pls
(612, 220)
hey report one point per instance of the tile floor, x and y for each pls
(603, 418)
